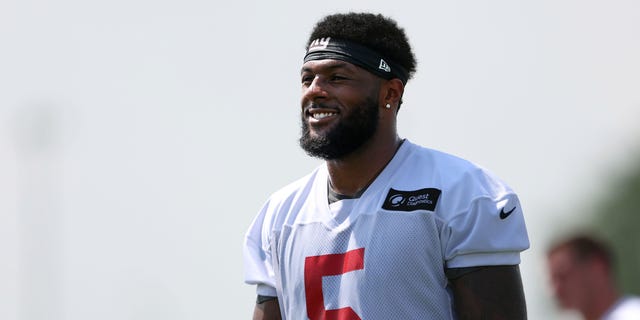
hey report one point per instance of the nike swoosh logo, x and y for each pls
(504, 215)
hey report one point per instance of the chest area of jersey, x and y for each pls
(333, 268)
(371, 247)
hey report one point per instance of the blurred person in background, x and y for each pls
(583, 279)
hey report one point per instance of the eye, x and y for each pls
(306, 79)
(338, 77)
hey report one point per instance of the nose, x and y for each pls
(315, 90)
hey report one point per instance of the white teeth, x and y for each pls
(322, 115)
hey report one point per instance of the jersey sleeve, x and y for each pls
(258, 268)
(486, 225)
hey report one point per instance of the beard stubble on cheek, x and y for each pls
(350, 132)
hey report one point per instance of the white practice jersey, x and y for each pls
(384, 254)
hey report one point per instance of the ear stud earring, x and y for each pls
(388, 106)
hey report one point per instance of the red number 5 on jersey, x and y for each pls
(317, 267)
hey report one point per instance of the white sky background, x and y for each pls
(139, 138)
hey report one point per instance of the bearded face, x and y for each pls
(349, 132)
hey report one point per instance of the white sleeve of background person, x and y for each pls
(485, 224)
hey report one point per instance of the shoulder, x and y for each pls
(278, 207)
(296, 188)
(482, 220)
(627, 307)
(284, 204)
(455, 174)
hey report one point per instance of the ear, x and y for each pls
(391, 92)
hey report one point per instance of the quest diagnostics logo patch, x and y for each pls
(423, 199)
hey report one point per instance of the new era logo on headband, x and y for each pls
(384, 66)
(319, 44)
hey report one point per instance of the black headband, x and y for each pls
(328, 48)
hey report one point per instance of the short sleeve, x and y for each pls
(258, 268)
(490, 232)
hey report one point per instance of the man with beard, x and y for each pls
(384, 229)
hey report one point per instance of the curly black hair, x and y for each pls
(374, 31)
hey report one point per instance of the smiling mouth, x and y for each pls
(322, 115)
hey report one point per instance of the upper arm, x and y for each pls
(268, 310)
(492, 292)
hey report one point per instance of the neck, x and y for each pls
(356, 171)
